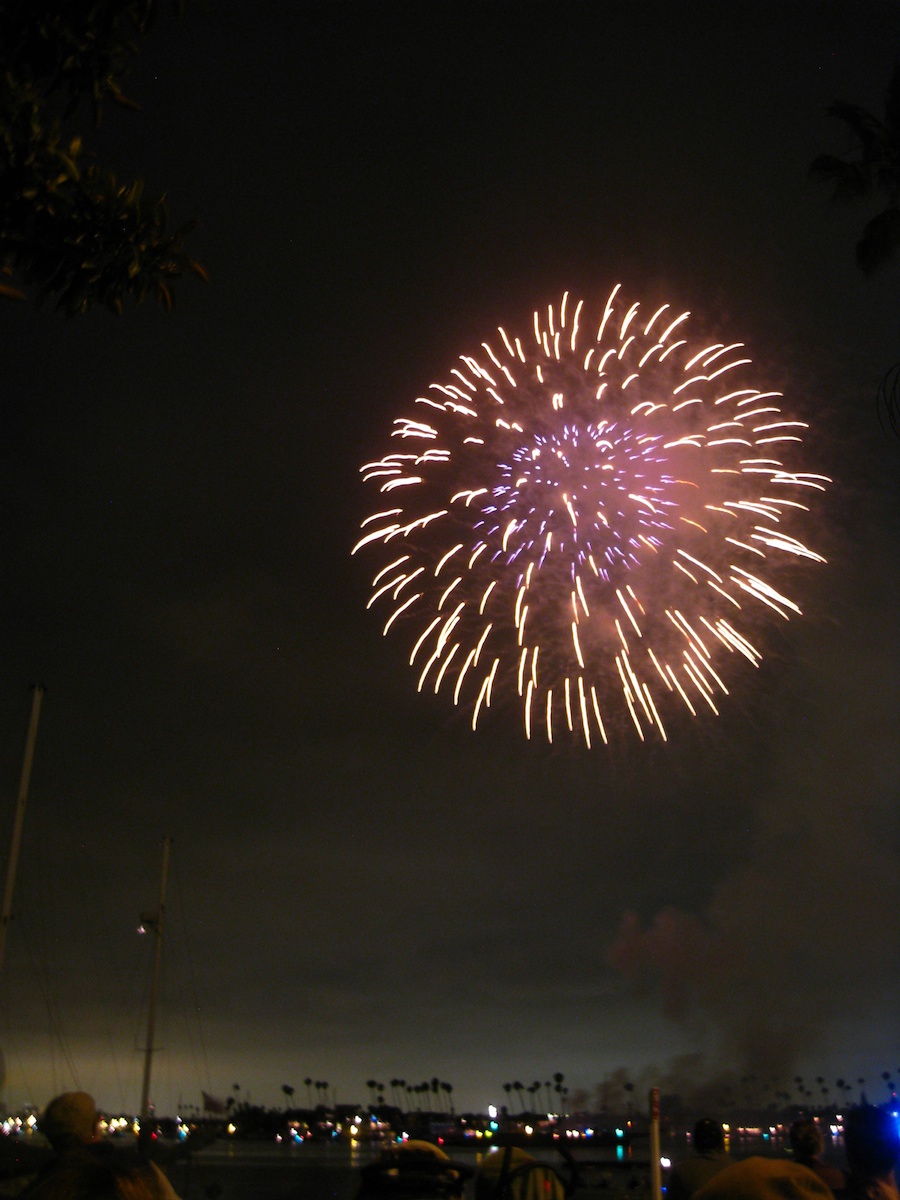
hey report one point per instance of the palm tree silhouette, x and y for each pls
(870, 168)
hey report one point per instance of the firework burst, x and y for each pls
(590, 518)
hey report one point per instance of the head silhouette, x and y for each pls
(806, 1139)
(871, 1140)
(69, 1120)
(708, 1135)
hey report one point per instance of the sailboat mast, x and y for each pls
(155, 923)
(19, 819)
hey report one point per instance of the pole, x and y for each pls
(19, 819)
(655, 1174)
(155, 923)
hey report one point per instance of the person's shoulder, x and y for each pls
(164, 1187)
(758, 1177)
(118, 1156)
(70, 1165)
(829, 1173)
(870, 1189)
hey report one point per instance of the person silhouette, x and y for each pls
(85, 1165)
(709, 1157)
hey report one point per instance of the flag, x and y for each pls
(212, 1104)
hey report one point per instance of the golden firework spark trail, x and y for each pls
(606, 501)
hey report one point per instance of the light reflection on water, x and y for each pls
(330, 1171)
(323, 1171)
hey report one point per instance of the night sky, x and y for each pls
(360, 886)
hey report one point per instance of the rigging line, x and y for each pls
(58, 1039)
(192, 975)
(14, 1060)
(133, 1015)
(139, 1011)
(40, 949)
(36, 942)
(107, 966)
(103, 967)
(128, 1016)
